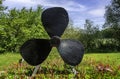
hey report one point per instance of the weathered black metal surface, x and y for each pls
(35, 51)
(55, 20)
(71, 51)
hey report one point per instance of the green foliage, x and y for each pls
(107, 33)
(1, 6)
(71, 33)
(89, 35)
(2, 9)
(95, 40)
(108, 41)
(18, 26)
(112, 16)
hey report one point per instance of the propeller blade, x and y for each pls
(35, 51)
(71, 51)
(55, 20)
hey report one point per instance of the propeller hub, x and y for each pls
(55, 41)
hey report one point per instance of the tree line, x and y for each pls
(105, 40)
(93, 38)
(19, 25)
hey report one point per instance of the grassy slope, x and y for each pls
(53, 67)
(110, 58)
(105, 57)
(8, 58)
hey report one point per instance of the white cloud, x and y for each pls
(69, 5)
(22, 1)
(99, 12)
(19, 3)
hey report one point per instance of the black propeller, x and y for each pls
(35, 51)
(71, 51)
(55, 21)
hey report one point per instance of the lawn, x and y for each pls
(93, 66)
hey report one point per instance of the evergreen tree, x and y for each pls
(112, 14)
(112, 17)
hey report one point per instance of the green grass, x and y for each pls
(109, 58)
(53, 67)
(8, 58)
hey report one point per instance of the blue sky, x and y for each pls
(78, 10)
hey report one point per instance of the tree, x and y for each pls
(71, 32)
(89, 35)
(2, 8)
(2, 18)
(112, 16)
(19, 26)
